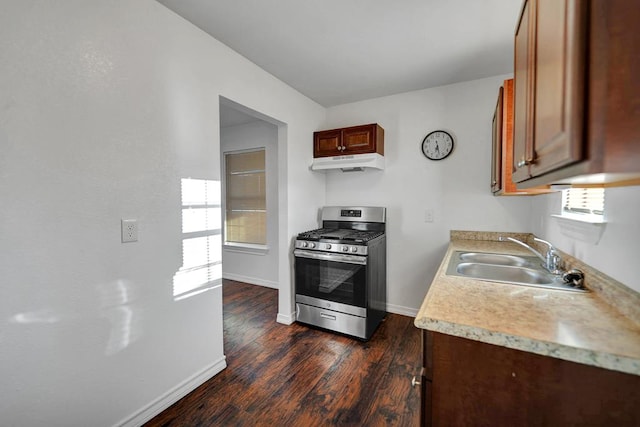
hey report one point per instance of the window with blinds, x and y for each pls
(586, 202)
(246, 201)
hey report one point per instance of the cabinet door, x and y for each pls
(559, 72)
(426, 391)
(496, 159)
(327, 143)
(359, 139)
(476, 383)
(426, 375)
(522, 108)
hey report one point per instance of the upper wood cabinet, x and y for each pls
(576, 115)
(497, 137)
(352, 140)
(501, 164)
(523, 121)
(550, 44)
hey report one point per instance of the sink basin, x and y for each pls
(504, 273)
(503, 268)
(496, 259)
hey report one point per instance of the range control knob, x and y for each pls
(328, 246)
(304, 244)
(312, 245)
(354, 249)
(345, 248)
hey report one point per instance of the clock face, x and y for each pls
(437, 145)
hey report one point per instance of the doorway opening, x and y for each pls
(247, 138)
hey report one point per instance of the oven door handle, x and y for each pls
(349, 259)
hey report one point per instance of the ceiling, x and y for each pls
(342, 51)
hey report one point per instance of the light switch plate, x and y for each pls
(129, 230)
(428, 215)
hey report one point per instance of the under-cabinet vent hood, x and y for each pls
(354, 162)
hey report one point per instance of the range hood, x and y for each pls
(350, 163)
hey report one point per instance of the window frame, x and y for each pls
(244, 247)
(594, 212)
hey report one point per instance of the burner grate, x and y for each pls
(363, 236)
(340, 234)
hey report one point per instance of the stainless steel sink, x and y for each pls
(504, 273)
(502, 268)
(496, 259)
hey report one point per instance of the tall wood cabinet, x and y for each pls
(550, 44)
(577, 91)
(352, 140)
(467, 383)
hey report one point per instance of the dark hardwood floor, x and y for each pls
(294, 375)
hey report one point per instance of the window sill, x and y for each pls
(246, 248)
(585, 229)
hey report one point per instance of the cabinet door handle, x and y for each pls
(415, 381)
(523, 163)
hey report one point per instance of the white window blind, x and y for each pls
(246, 201)
(583, 201)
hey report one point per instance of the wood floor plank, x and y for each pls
(362, 374)
(279, 375)
(397, 403)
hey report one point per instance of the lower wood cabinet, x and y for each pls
(469, 383)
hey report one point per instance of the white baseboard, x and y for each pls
(149, 411)
(286, 319)
(251, 280)
(399, 309)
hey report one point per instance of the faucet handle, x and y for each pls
(552, 258)
(551, 247)
(554, 262)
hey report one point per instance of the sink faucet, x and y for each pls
(552, 261)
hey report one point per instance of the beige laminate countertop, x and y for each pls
(579, 327)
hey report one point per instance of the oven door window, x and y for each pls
(331, 280)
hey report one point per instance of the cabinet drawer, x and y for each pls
(333, 320)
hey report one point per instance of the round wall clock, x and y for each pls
(437, 145)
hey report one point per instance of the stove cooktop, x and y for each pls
(340, 235)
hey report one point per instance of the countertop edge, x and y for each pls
(571, 354)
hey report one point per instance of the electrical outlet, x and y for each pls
(428, 215)
(129, 230)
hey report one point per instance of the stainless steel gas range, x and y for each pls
(341, 272)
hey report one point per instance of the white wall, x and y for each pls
(457, 188)
(250, 266)
(104, 107)
(616, 253)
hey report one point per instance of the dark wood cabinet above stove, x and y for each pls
(346, 141)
